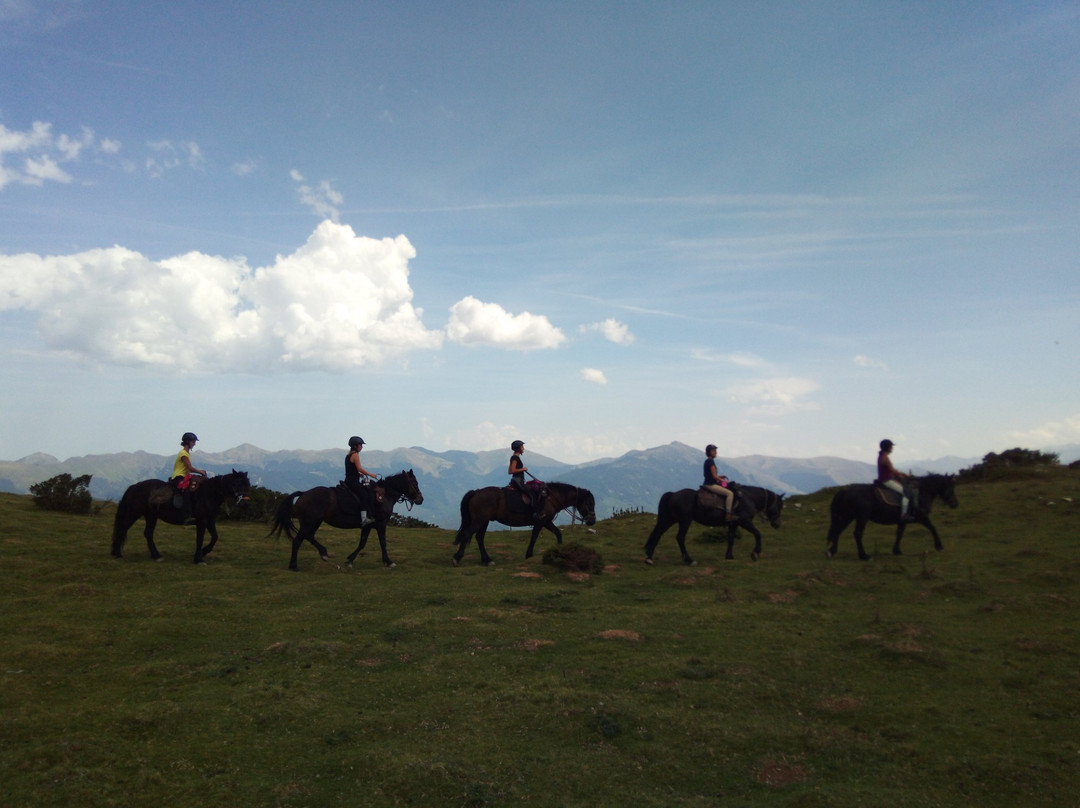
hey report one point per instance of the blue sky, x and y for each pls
(786, 228)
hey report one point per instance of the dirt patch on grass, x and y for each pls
(839, 704)
(783, 597)
(780, 772)
(533, 644)
(618, 634)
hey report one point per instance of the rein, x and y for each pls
(570, 510)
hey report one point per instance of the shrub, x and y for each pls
(574, 556)
(1010, 463)
(63, 493)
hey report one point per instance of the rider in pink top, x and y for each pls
(889, 477)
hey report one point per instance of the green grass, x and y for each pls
(930, 679)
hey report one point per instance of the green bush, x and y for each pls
(64, 493)
(1011, 463)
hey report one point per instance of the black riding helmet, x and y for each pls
(189, 437)
(355, 441)
(886, 444)
(517, 445)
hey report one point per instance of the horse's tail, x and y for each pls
(283, 522)
(664, 506)
(465, 519)
(121, 523)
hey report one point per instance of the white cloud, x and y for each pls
(475, 323)
(1052, 433)
(779, 396)
(244, 168)
(167, 156)
(866, 362)
(593, 375)
(337, 303)
(323, 200)
(738, 359)
(612, 330)
(40, 153)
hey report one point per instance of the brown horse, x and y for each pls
(862, 502)
(505, 505)
(207, 498)
(323, 504)
(683, 508)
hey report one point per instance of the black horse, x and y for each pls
(137, 503)
(683, 507)
(505, 505)
(334, 506)
(862, 503)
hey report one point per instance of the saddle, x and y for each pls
(890, 497)
(711, 501)
(351, 504)
(168, 494)
(522, 500)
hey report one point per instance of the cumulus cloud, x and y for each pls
(593, 375)
(323, 200)
(866, 362)
(612, 330)
(473, 322)
(337, 303)
(778, 396)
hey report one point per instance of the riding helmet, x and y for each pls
(355, 441)
(886, 444)
(517, 445)
(189, 437)
(710, 447)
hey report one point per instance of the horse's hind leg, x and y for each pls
(732, 532)
(837, 526)
(899, 535)
(680, 537)
(485, 559)
(860, 526)
(662, 524)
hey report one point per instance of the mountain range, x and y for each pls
(635, 480)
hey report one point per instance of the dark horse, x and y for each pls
(322, 504)
(683, 507)
(503, 504)
(862, 503)
(207, 498)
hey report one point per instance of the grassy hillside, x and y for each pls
(944, 679)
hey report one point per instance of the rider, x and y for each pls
(183, 468)
(356, 474)
(716, 482)
(889, 477)
(517, 470)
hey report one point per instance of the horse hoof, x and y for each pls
(755, 556)
(649, 561)
(489, 563)
(391, 565)
(455, 561)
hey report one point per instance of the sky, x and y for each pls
(786, 228)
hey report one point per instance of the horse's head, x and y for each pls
(948, 490)
(774, 508)
(238, 486)
(586, 506)
(405, 486)
(412, 492)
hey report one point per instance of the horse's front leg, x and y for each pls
(757, 541)
(211, 528)
(381, 529)
(364, 531)
(200, 533)
(899, 535)
(933, 532)
(732, 532)
(148, 532)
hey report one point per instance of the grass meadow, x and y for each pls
(931, 679)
